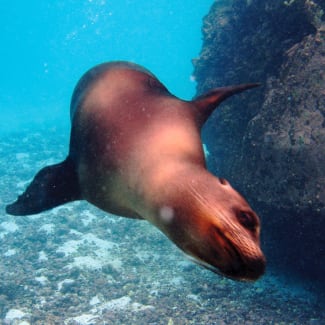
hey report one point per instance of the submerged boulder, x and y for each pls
(270, 143)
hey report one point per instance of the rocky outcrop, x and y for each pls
(270, 143)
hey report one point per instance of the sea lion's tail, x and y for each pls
(207, 102)
(52, 186)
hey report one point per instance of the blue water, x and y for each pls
(47, 45)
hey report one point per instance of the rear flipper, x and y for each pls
(52, 186)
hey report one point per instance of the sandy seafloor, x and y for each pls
(78, 265)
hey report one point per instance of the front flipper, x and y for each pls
(208, 102)
(52, 186)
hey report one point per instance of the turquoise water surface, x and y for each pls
(47, 45)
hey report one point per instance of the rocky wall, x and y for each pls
(270, 142)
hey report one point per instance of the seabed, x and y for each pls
(76, 265)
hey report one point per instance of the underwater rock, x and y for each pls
(286, 139)
(276, 143)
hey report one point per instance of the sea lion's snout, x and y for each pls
(249, 270)
(236, 255)
(254, 269)
(235, 238)
(222, 232)
(242, 261)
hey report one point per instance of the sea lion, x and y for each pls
(136, 151)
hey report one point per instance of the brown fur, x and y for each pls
(137, 152)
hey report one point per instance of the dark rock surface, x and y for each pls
(270, 143)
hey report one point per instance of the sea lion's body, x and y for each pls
(133, 139)
(135, 151)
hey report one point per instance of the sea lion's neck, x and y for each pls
(180, 190)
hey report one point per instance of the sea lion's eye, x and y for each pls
(247, 220)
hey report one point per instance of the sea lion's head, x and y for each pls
(217, 228)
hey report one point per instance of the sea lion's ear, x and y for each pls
(52, 186)
(209, 101)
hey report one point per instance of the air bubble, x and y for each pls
(166, 214)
